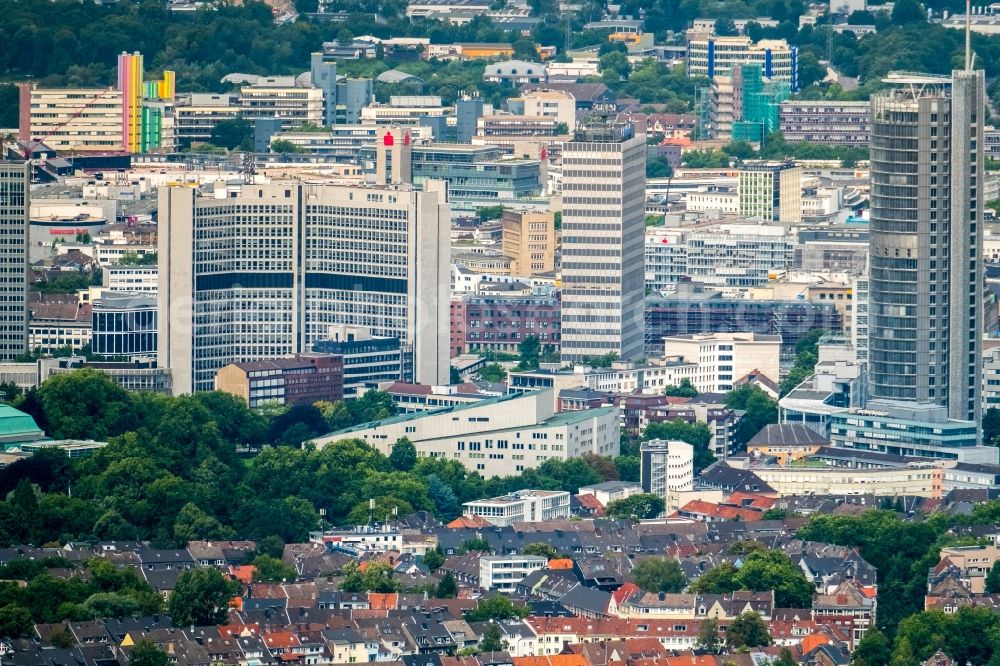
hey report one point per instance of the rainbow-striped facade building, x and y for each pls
(144, 104)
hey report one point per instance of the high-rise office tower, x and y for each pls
(925, 283)
(15, 178)
(261, 271)
(603, 243)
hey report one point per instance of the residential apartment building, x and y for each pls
(15, 196)
(279, 97)
(496, 437)
(524, 506)
(300, 379)
(500, 323)
(529, 240)
(925, 266)
(666, 470)
(710, 55)
(503, 572)
(771, 191)
(722, 358)
(603, 227)
(826, 123)
(266, 271)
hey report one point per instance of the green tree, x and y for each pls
(145, 653)
(454, 377)
(725, 27)
(269, 569)
(15, 621)
(376, 577)
(492, 639)
(530, 349)
(993, 579)
(284, 147)
(873, 650)
(760, 570)
(902, 654)
(434, 558)
(659, 574)
(697, 434)
(498, 607)
(991, 427)
(760, 409)
(747, 631)
(193, 524)
(683, 390)
(386, 506)
(658, 167)
(230, 134)
(479, 544)
(492, 372)
(635, 507)
(908, 11)
(200, 597)
(447, 588)
(541, 549)
(404, 455)
(84, 404)
(708, 636)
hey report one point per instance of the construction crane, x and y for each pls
(31, 144)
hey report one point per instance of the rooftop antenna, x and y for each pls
(968, 35)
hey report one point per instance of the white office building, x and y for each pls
(722, 358)
(525, 506)
(498, 436)
(720, 255)
(603, 227)
(263, 271)
(504, 572)
(711, 55)
(667, 470)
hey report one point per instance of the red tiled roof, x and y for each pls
(469, 521)
(722, 511)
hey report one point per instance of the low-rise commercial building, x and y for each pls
(909, 429)
(525, 506)
(495, 437)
